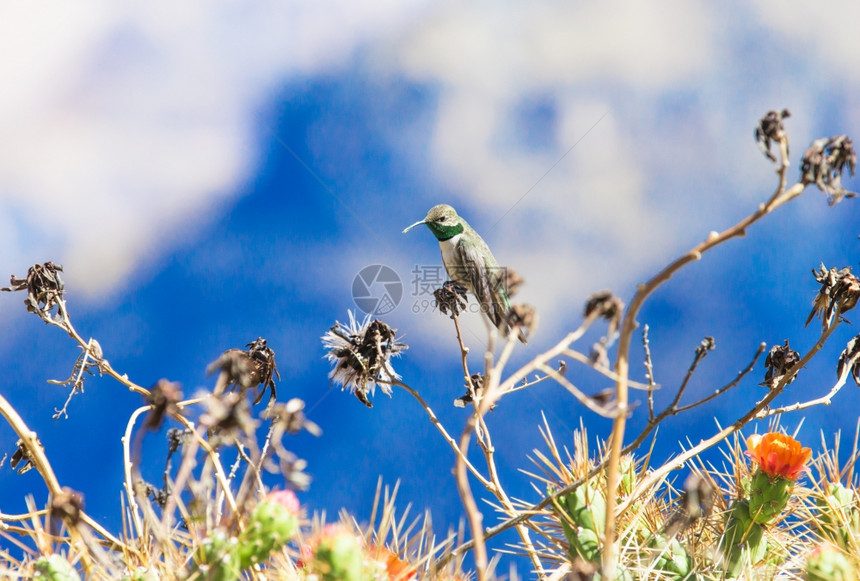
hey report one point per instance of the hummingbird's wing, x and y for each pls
(485, 277)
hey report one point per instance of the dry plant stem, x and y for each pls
(823, 400)
(472, 513)
(451, 442)
(672, 410)
(490, 395)
(604, 371)
(509, 385)
(104, 366)
(40, 462)
(220, 475)
(622, 365)
(185, 468)
(493, 394)
(728, 386)
(536, 363)
(128, 469)
(464, 351)
(649, 372)
(648, 481)
(581, 397)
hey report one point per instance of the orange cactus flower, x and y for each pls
(397, 568)
(778, 455)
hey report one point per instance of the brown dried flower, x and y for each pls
(451, 298)
(229, 416)
(823, 164)
(606, 306)
(163, 398)
(66, 507)
(21, 456)
(44, 288)
(361, 354)
(779, 362)
(696, 502)
(522, 319)
(850, 359)
(770, 128)
(247, 369)
(839, 292)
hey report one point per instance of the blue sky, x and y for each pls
(212, 175)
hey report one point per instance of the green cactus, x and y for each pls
(838, 514)
(827, 563)
(269, 528)
(585, 507)
(673, 558)
(216, 558)
(743, 540)
(338, 557)
(768, 496)
(55, 568)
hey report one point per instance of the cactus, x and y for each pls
(828, 563)
(55, 568)
(743, 540)
(768, 496)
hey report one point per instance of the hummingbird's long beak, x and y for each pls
(405, 230)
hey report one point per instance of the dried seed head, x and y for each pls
(290, 418)
(511, 282)
(66, 507)
(451, 298)
(770, 129)
(522, 319)
(839, 293)
(361, 355)
(44, 288)
(21, 456)
(229, 416)
(849, 359)
(780, 361)
(823, 164)
(248, 369)
(163, 398)
(607, 306)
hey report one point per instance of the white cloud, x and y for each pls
(125, 125)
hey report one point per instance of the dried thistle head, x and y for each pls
(474, 388)
(44, 288)
(361, 355)
(21, 456)
(779, 362)
(229, 416)
(607, 306)
(66, 508)
(289, 418)
(451, 298)
(522, 319)
(770, 129)
(849, 360)
(163, 398)
(839, 292)
(246, 369)
(510, 282)
(824, 162)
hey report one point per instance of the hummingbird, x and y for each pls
(469, 263)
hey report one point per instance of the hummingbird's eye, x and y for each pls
(443, 218)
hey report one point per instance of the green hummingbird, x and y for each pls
(469, 263)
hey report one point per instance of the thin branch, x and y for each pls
(438, 424)
(616, 443)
